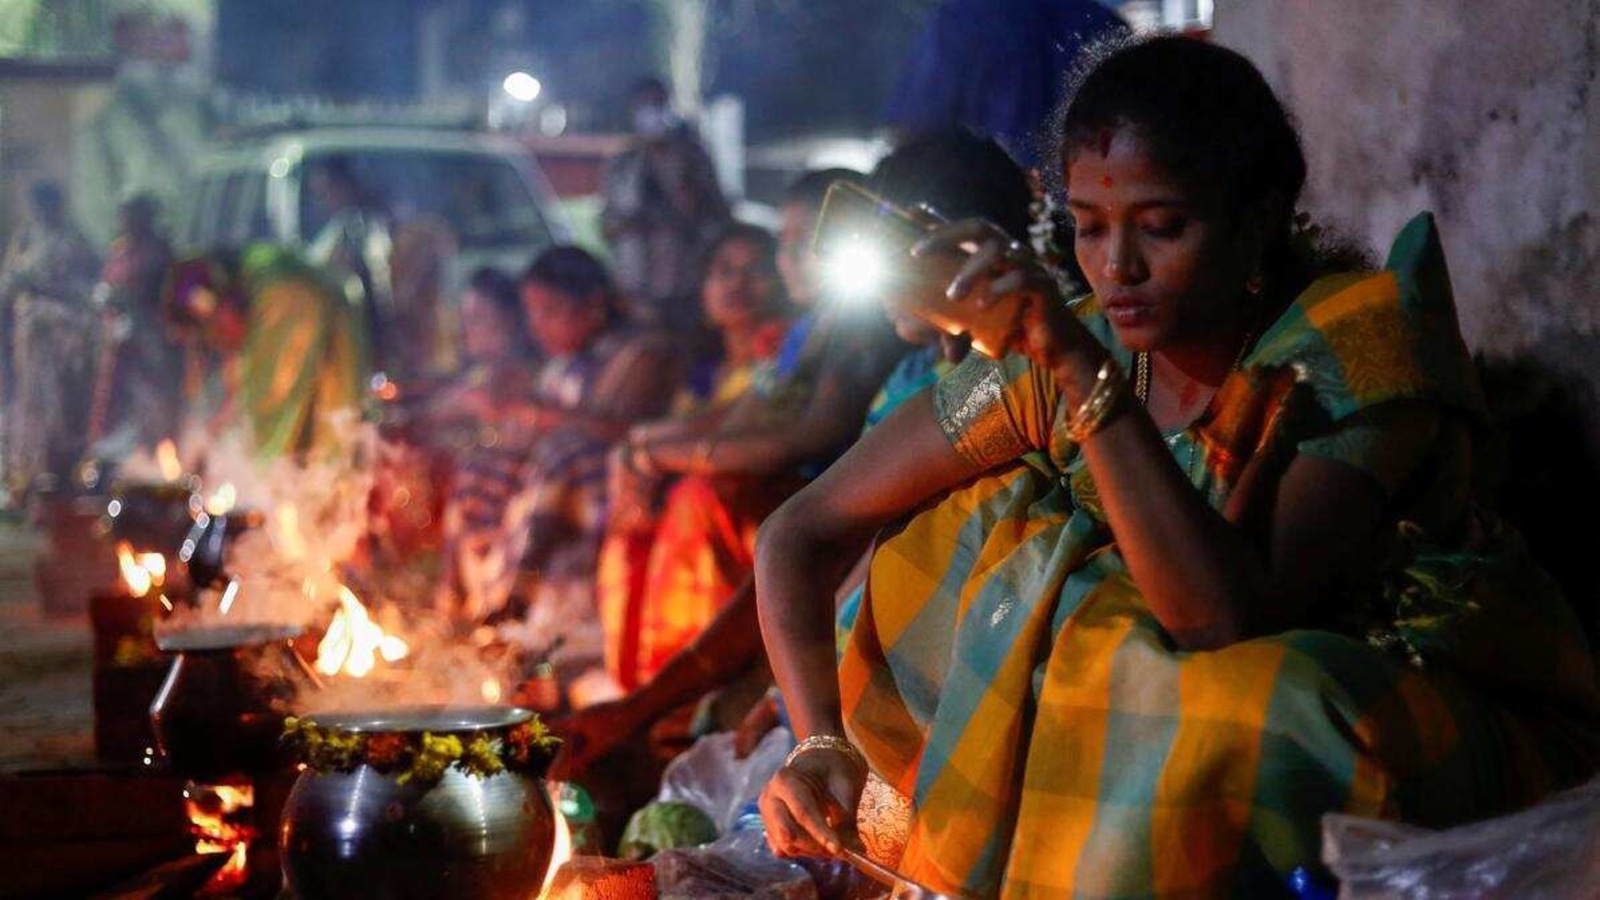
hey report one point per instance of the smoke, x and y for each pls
(302, 563)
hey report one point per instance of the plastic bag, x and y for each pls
(738, 865)
(708, 776)
(1551, 850)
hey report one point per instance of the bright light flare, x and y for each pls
(491, 691)
(855, 270)
(522, 87)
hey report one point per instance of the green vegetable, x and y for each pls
(665, 825)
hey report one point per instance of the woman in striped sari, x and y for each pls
(1193, 564)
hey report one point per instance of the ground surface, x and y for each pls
(46, 707)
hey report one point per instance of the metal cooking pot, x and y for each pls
(364, 834)
(220, 711)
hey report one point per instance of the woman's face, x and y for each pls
(561, 323)
(741, 288)
(485, 331)
(1168, 263)
(796, 263)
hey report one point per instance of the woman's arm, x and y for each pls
(803, 552)
(1207, 581)
(637, 384)
(831, 419)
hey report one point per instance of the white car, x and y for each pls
(486, 188)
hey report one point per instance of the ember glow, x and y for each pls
(354, 643)
(491, 691)
(219, 819)
(167, 460)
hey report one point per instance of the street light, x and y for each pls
(522, 87)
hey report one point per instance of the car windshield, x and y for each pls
(481, 197)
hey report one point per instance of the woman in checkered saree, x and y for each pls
(1193, 564)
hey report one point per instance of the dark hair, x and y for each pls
(500, 290)
(811, 187)
(339, 169)
(1208, 116)
(648, 85)
(961, 175)
(766, 244)
(578, 274)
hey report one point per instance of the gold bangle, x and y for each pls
(826, 742)
(1096, 408)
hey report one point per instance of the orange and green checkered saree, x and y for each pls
(1005, 674)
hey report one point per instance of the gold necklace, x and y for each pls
(1141, 389)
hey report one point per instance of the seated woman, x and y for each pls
(1192, 566)
(648, 613)
(957, 173)
(456, 420)
(532, 570)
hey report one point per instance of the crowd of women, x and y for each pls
(1119, 608)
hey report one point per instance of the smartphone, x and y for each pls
(864, 244)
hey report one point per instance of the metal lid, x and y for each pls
(434, 718)
(224, 637)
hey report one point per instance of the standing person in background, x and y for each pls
(662, 207)
(45, 285)
(996, 67)
(355, 246)
(139, 385)
(305, 361)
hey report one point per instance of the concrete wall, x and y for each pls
(1486, 112)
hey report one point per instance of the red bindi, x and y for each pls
(1107, 181)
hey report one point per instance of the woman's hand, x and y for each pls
(809, 806)
(999, 270)
(631, 493)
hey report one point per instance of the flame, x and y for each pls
(222, 500)
(156, 565)
(561, 851)
(491, 691)
(353, 642)
(219, 819)
(167, 459)
(135, 577)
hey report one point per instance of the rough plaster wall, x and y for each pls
(1486, 112)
